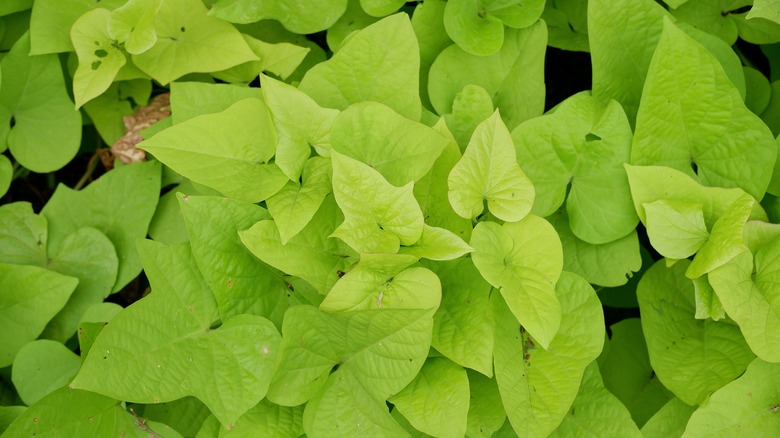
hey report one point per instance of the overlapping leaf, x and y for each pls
(299, 16)
(41, 367)
(133, 25)
(99, 59)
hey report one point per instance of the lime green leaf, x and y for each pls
(524, 259)
(177, 353)
(192, 99)
(133, 25)
(377, 215)
(437, 400)
(758, 91)
(567, 21)
(240, 283)
(538, 385)
(298, 16)
(748, 289)
(185, 415)
(596, 412)
(12, 6)
(8, 414)
(120, 205)
(747, 406)
(691, 357)
(288, 107)
(472, 27)
(295, 204)
(581, 148)
(669, 421)
(6, 174)
(280, 59)
(401, 150)
(486, 411)
(513, 74)
(676, 228)
(167, 225)
(437, 244)
(610, 264)
(712, 16)
(768, 9)
(627, 373)
(707, 302)
(384, 281)
(759, 233)
(23, 235)
(463, 326)
(32, 296)
(232, 161)
(428, 25)
(107, 111)
(189, 41)
(380, 8)
(691, 114)
(70, 412)
(41, 367)
(88, 255)
(268, 420)
(353, 20)
(50, 24)
(514, 13)
(379, 63)
(46, 130)
(489, 171)
(99, 59)
(311, 255)
(471, 106)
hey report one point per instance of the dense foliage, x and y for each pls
(364, 218)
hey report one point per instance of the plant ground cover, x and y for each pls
(483, 218)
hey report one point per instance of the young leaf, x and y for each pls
(177, 353)
(489, 171)
(707, 302)
(676, 229)
(120, 205)
(691, 114)
(192, 99)
(378, 216)
(691, 357)
(471, 106)
(37, 295)
(539, 385)
(524, 260)
(188, 41)
(41, 367)
(436, 402)
(46, 130)
(437, 244)
(99, 59)
(401, 150)
(133, 25)
(232, 161)
(472, 27)
(23, 235)
(380, 63)
(298, 16)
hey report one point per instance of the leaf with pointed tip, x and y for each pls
(177, 353)
(707, 302)
(99, 59)
(299, 16)
(524, 260)
(268, 420)
(281, 59)
(486, 411)
(192, 99)
(133, 25)
(676, 228)
(437, 244)
(380, 63)
(378, 217)
(23, 235)
(50, 24)
(670, 420)
(472, 28)
(41, 367)
(489, 171)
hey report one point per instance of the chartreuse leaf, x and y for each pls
(623, 35)
(50, 24)
(288, 107)
(37, 295)
(524, 260)
(6, 174)
(133, 25)
(120, 205)
(380, 63)
(707, 302)
(748, 288)
(437, 244)
(746, 406)
(298, 16)
(41, 367)
(691, 114)
(472, 28)
(538, 385)
(23, 235)
(378, 216)
(471, 106)
(380, 8)
(189, 41)
(581, 149)
(765, 9)
(240, 282)
(463, 326)
(436, 402)
(177, 353)
(46, 130)
(513, 74)
(676, 228)
(489, 171)
(486, 410)
(691, 357)
(280, 59)
(233, 161)
(311, 255)
(610, 264)
(669, 421)
(428, 25)
(352, 20)
(99, 58)
(627, 373)
(72, 412)
(8, 414)
(401, 150)
(268, 420)
(758, 91)
(567, 21)
(295, 204)
(12, 6)
(596, 411)
(192, 99)
(384, 281)
(185, 415)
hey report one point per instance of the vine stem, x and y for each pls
(141, 423)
